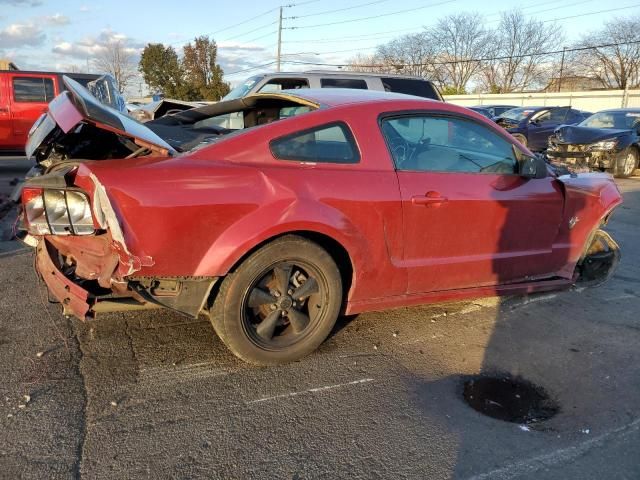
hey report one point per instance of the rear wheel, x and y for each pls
(627, 163)
(280, 304)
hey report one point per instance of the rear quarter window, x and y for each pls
(343, 83)
(409, 86)
(33, 89)
(332, 143)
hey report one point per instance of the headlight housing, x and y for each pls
(49, 211)
(609, 144)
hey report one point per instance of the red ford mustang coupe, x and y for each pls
(324, 202)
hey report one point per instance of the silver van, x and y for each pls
(274, 82)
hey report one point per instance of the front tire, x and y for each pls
(280, 304)
(521, 138)
(627, 164)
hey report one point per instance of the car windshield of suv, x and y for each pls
(621, 120)
(517, 114)
(243, 89)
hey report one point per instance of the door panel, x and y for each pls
(478, 229)
(468, 218)
(539, 132)
(30, 95)
(6, 139)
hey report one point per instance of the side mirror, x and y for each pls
(534, 121)
(533, 167)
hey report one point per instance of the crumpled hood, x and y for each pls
(575, 135)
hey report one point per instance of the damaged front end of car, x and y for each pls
(82, 253)
(583, 149)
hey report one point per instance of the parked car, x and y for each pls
(607, 141)
(495, 110)
(533, 125)
(24, 95)
(483, 111)
(275, 82)
(328, 202)
(160, 108)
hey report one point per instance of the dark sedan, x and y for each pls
(495, 110)
(483, 111)
(607, 140)
(532, 126)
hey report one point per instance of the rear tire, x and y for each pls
(627, 164)
(280, 304)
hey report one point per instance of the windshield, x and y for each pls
(621, 120)
(518, 114)
(243, 89)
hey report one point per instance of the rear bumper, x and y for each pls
(94, 269)
(74, 299)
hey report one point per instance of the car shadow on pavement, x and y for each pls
(578, 347)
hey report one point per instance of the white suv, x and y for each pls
(272, 82)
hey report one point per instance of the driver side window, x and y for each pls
(435, 143)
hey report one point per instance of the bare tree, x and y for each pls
(412, 54)
(117, 60)
(617, 65)
(519, 47)
(366, 63)
(460, 40)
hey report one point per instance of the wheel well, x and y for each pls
(332, 246)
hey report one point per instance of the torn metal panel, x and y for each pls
(74, 298)
(106, 217)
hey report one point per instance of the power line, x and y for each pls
(249, 31)
(362, 19)
(232, 26)
(337, 10)
(592, 13)
(470, 60)
(244, 70)
(369, 36)
(565, 5)
(261, 37)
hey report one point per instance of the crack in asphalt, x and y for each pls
(77, 467)
(127, 332)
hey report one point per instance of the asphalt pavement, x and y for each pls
(157, 395)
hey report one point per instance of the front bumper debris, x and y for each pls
(579, 157)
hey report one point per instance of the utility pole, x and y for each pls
(279, 41)
(564, 49)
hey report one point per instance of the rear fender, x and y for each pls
(277, 219)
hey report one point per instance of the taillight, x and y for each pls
(60, 212)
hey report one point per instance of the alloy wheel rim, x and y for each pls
(284, 304)
(629, 164)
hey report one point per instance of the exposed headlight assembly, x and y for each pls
(57, 212)
(609, 144)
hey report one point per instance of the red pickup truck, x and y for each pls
(24, 96)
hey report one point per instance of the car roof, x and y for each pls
(332, 97)
(493, 105)
(339, 73)
(620, 110)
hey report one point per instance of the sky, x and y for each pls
(43, 35)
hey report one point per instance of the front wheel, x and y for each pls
(521, 138)
(280, 304)
(627, 163)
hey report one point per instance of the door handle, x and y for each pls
(430, 198)
(4, 110)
